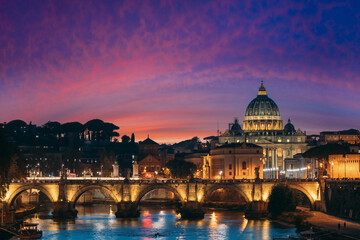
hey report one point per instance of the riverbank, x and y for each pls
(319, 224)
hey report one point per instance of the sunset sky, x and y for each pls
(177, 69)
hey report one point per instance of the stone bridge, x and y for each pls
(128, 193)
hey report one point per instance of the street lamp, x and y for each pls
(308, 170)
(221, 172)
(38, 171)
(101, 170)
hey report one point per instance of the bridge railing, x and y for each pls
(89, 180)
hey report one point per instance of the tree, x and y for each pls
(14, 169)
(181, 168)
(281, 199)
(125, 139)
(51, 129)
(108, 131)
(7, 150)
(323, 152)
(95, 126)
(101, 130)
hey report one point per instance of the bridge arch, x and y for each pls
(93, 187)
(304, 191)
(227, 187)
(157, 186)
(24, 188)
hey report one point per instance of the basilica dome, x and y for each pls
(262, 113)
(262, 105)
(289, 128)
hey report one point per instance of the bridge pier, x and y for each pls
(316, 206)
(256, 210)
(127, 210)
(192, 210)
(64, 210)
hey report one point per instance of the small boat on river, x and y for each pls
(29, 231)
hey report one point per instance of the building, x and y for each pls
(299, 167)
(344, 166)
(148, 146)
(263, 126)
(150, 166)
(166, 154)
(234, 161)
(149, 159)
(351, 136)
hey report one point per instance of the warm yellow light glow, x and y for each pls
(314, 196)
(265, 196)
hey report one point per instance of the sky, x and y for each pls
(179, 69)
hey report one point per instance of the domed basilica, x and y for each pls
(263, 126)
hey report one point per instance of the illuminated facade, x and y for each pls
(234, 161)
(149, 164)
(351, 136)
(344, 166)
(263, 126)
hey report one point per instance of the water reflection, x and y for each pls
(98, 222)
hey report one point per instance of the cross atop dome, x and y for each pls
(262, 90)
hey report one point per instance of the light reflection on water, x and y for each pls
(99, 222)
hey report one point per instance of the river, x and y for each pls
(99, 222)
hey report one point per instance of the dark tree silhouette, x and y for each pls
(181, 168)
(7, 150)
(125, 139)
(51, 129)
(95, 126)
(108, 131)
(101, 130)
(281, 199)
(15, 124)
(73, 133)
(323, 152)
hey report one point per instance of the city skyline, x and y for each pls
(175, 70)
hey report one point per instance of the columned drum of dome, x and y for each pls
(262, 114)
